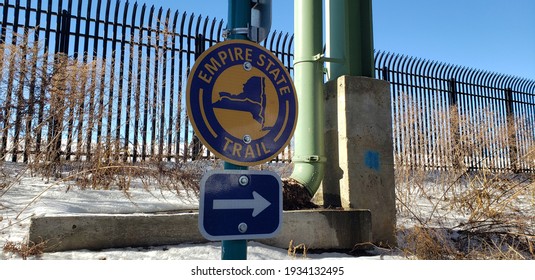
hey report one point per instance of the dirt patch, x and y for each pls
(295, 196)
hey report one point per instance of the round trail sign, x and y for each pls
(241, 102)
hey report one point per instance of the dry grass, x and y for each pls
(296, 250)
(428, 243)
(24, 250)
(4, 178)
(60, 115)
(458, 212)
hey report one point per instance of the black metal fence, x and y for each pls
(82, 78)
(102, 77)
(446, 115)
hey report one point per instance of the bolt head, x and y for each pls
(247, 66)
(244, 180)
(247, 139)
(242, 227)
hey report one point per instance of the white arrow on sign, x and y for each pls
(258, 204)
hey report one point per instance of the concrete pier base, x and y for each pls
(358, 141)
(323, 229)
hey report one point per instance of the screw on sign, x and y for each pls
(244, 180)
(241, 102)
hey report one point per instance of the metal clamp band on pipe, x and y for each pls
(318, 58)
(315, 58)
(238, 30)
(309, 158)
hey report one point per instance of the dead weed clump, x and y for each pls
(496, 246)
(177, 177)
(4, 179)
(296, 250)
(427, 243)
(479, 205)
(99, 174)
(24, 250)
(474, 216)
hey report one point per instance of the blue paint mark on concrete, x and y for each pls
(372, 160)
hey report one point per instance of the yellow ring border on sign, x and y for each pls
(192, 120)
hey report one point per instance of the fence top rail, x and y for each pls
(165, 21)
(105, 17)
(397, 64)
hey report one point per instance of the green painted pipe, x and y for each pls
(349, 38)
(336, 36)
(309, 154)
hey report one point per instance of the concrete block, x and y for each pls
(358, 140)
(324, 229)
(95, 232)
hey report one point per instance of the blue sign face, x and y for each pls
(240, 204)
(241, 102)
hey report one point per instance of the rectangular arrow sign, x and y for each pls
(240, 204)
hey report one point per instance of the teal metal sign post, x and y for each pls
(234, 249)
(243, 106)
(239, 17)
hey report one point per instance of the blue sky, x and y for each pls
(492, 35)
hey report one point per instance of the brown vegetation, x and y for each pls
(458, 212)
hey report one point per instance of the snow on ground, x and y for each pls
(30, 196)
(23, 196)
